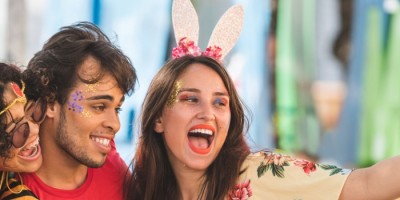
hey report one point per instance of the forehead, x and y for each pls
(90, 68)
(198, 74)
(17, 109)
(8, 94)
(107, 84)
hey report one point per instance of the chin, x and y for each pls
(30, 167)
(95, 163)
(200, 165)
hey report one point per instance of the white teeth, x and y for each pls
(32, 145)
(34, 152)
(203, 131)
(102, 141)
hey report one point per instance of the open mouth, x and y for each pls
(31, 151)
(200, 139)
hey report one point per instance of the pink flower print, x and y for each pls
(279, 160)
(307, 166)
(276, 159)
(242, 191)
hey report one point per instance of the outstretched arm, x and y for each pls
(380, 181)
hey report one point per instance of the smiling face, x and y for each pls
(28, 157)
(89, 119)
(195, 125)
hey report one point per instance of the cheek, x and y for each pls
(74, 103)
(224, 121)
(11, 162)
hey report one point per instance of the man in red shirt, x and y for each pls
(84, 78)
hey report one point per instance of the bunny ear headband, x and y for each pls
(186, 28)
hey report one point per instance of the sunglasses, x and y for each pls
(19, 132)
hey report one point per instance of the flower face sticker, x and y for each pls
(73, 104)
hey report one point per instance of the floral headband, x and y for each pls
(186, 28)
(20, 96)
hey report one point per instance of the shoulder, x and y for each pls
(14, 189)
(279, 163)
(269, 174)
(114, 169)
(114, 162)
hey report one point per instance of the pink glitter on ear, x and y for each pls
(16, 89)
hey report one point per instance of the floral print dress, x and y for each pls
(270, 175)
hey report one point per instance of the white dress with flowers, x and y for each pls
(274, 176)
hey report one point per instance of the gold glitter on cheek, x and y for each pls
(173, 97)
(86, 113)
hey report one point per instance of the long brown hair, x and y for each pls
(153, 177)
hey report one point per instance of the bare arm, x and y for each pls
(380, 181)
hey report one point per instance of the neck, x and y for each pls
(59, 169)
(190, 182)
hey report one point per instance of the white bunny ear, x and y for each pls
(185, 21)
(227, 31)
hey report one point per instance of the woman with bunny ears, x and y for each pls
(192, 143)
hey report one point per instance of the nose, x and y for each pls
(112, 122)
(33, 128)
(206, 113)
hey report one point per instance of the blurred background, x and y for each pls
(319, 77)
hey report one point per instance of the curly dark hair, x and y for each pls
(52, 72)
(9, 73)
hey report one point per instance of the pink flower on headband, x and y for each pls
(188, 47)
(213, 52)
(185, 47)
(186, 30)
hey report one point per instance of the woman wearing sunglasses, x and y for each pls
(19, 139)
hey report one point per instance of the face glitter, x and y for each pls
(173, 98)
(86, 113)
(73, 104)
(91, 87)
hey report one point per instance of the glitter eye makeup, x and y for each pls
(174, 94)
(221, 101)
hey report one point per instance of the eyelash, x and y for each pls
(220, 102)
(103, 107)
(188, 98)
(99, 107)
(118, 110)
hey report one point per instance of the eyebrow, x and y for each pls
(105, 97)
(198, 91)
(15, 121)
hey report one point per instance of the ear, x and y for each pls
(159, 126)
(52, 109)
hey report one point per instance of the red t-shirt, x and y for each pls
(101, 183)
